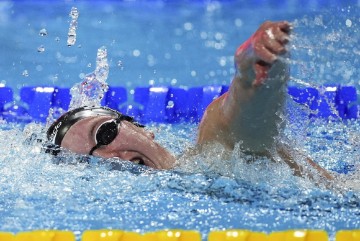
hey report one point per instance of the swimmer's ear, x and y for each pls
(61, 155)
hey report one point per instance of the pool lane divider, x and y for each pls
(169, 104)
(181, 235)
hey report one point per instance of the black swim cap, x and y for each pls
(59, 128)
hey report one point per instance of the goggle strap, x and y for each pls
(94, 148)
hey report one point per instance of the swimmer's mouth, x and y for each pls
(138, 160)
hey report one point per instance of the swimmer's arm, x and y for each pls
(310, 169)
(253, 59)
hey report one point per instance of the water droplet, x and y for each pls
(188, 26)
(203, 35)
(39, 68)
(119, 63)
(91, 90)
(167, 56)
(25, 73)
(41, 49)
(54, 78)
(177, 46)
(74, 14)
(136, 53)
(238, 22)
(348, 23)
(43, 32)
(170, 104)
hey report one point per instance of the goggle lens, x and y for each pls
(108, 131)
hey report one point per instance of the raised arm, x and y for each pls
(251, 111)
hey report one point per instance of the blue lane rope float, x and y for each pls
(181, 235)
(169, 104)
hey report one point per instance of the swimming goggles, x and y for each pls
(107, 132)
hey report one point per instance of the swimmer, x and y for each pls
(250, 113)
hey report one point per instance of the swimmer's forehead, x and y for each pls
(80, 138)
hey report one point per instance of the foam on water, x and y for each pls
(38, 192)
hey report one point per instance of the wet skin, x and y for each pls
(132, 143)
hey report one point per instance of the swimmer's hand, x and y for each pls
(257, 55)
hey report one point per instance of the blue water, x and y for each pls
(181, 44)
(177, 43)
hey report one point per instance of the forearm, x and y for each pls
(309, 168)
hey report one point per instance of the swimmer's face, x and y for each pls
(132, 143)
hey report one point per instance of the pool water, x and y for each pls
(179, 44)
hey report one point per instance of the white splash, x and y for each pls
(91, 90)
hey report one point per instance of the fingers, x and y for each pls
(274, 44)
(264, 54)
(285, 26)
(283, 31)
(270, 40)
